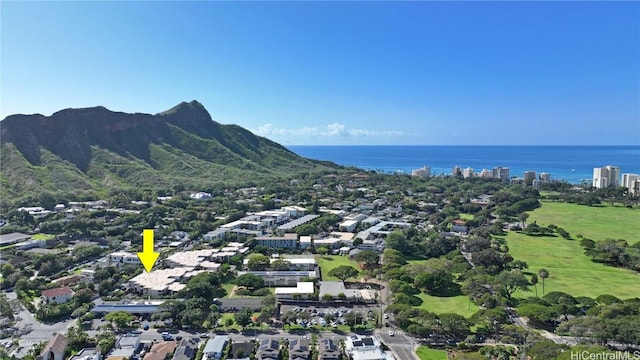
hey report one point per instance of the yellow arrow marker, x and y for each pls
(148, 257)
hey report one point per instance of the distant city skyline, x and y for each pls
(331, 73)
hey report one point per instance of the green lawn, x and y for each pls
(465, 216)
(569, 269)
(42, 236)
(426, 353)
(456, 304)
(329, 262)
(593, 222)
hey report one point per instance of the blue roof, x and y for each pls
(132, 308)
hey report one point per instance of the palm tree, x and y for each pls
(543, 273)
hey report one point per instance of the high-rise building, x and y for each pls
(545, 177)
(424, 171)
(456, 171)
(632, 183)
(486, 173)
(606, 176)
(529, 176)
(467, 172)
(501, 173)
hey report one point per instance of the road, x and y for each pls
(34, 331)
(401, 345)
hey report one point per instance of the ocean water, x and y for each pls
(571, 163)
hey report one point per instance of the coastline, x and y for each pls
(571, 163)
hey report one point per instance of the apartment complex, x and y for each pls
(632, 183)
(607, 176)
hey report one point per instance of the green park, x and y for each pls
(570, 270)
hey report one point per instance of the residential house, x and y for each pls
(87, 354)
(159, 351)
(298, 349)
(126, 346)
(186, 350)
(55, 348)
(215, 347)
(328, 350)
(269, 349)
(58, 295)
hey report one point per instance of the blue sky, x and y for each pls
(339, 73)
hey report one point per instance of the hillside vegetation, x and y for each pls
(95, 150)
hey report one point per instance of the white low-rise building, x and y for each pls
(120, 258)
(302, 289)
(58, 295)
(365, 348)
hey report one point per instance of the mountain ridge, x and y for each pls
(181, 144)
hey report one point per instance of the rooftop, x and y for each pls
(301, 288)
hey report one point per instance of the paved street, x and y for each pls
(402, 345)
(33, 330)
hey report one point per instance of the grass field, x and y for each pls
(426, 353)
(465, 216)
(569, 269)
(42, 236)
(593, 222)
(329, 262)
(455, 304)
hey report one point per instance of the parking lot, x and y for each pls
(330, 317)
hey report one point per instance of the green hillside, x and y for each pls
(96, 150)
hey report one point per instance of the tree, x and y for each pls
(343, 272)
(243, 317)
(437, 282)
(510, 281)
(228, 322)
(368, 258)
(121, 319)
(543, 273)
(322, 250)
(250, 281)
(523, 218)
(280, 265)
(258, 262)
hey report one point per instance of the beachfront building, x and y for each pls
(544, 176)
(456, 171)
(467, 173)
(529, 177)
(606, 176)
(501, 173)
(632, 183)
(424, 171)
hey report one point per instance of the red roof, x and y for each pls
(57, 292)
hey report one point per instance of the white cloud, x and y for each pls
(331, 130)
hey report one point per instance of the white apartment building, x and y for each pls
(424, 171)
(606, 176)
(467, 173)
(632, 183)
(501, 173)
